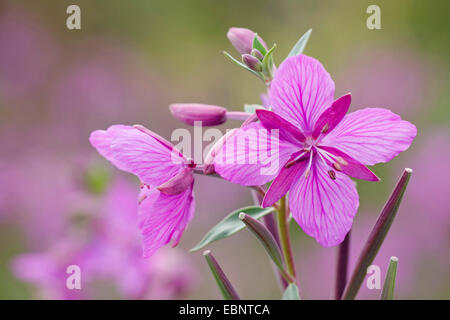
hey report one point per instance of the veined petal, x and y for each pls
(301, 91)
(102, 139)
(324, 208)
(350, 166)
(252, 155)
(331, 117)
(282, 183)
(163, 218)
(146, 155)
(371, 135)
(287, 131)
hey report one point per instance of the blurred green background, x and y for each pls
(150, 54)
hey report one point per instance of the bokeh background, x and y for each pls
(62, 204)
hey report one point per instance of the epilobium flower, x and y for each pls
(320, 147)
(242, 39)
(166, 203)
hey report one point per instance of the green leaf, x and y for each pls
(231, 224)
(268, 61)
(258, 45)
(229, 56)
(251, 108)
(300, 45)
(291, 292)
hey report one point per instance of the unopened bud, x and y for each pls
(189, 113)
(257, 54)
(242, 39)
(252, 62)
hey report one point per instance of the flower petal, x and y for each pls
(324, 208)
(301, 91)
(179, 183)
(102, 139)
(252, 155)
(288, 131)
(282, 183)
(371, 135)
(333, 115)
(351, 167)
(163, 218)
(146, 155)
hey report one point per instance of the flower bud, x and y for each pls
(242, 39)
(188, 113)
(256, 53)
(252, 62)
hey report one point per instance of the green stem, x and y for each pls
(283, 230)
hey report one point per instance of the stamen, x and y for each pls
(332, 174)
(294, 161)
(325, 128)
(341, 161)
(308, 169)
(337, 166)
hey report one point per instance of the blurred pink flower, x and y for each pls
(28, 53)
(110, 254)
(379, 71)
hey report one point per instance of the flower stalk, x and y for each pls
(223, 283)
(342, 267)
(283, 231)
(377, 236)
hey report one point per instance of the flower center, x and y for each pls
(310, 149)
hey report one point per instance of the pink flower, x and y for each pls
(166, 200)
(319, 148)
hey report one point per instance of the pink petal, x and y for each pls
(301, 91)
(324, 208)
(372, 135)
(352, 167)
(179, 183)
(287, 131)
(163, 218)
(252, 156)
(282, 183)
(331, 117)
(146, 155)
(102, 139)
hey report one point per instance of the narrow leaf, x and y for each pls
(268, 61)
(267, 240)
(229, 56)
(231, 225)
(389, 282)
(258, 45)
(223, 283)
(377, 236)
(265, 237)
(300, 45)
(291, 293)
